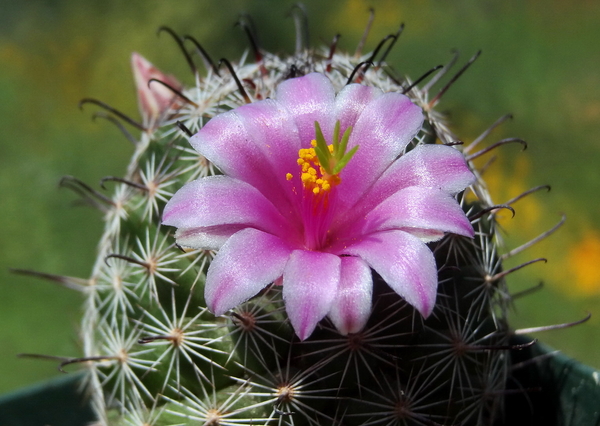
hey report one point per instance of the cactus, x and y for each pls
(156, 354)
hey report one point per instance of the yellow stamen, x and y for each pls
(314, 177)
(321, 178)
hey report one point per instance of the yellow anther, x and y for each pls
(313, 176)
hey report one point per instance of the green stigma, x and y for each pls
(333, 160)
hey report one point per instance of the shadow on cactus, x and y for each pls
(297, 240)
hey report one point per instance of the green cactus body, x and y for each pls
(156, 355)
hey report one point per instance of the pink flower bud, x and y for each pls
(154, 98)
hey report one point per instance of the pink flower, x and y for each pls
(320, 232)
(154, 99)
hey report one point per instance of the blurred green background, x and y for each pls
(540, 62)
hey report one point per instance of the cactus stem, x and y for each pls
(137, 414)
(401, 402)
(251, 325)
(119, 372)
(156, 179)
(200, 258)
(208, 411)
(155, 258)
(359, 349)
(286, 390)
(149, 339)
(179, 330)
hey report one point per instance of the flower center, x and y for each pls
(321, 164)
(320, 168)
(314, 177)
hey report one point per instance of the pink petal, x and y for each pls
(247, 262)
(405, 263)
(256, 143)
(417, 209)
(350, 103)
(435, 166)
(221, 200)
(432, 166)
(387, 124)
(206, 238)
(310, 282)
(352, 305)
(308, 99)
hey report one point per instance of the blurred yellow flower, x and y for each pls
(584, 262)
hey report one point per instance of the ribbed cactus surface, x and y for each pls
(155, 353)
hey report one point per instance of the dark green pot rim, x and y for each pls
(549, 388)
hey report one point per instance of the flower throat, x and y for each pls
(320, 168)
